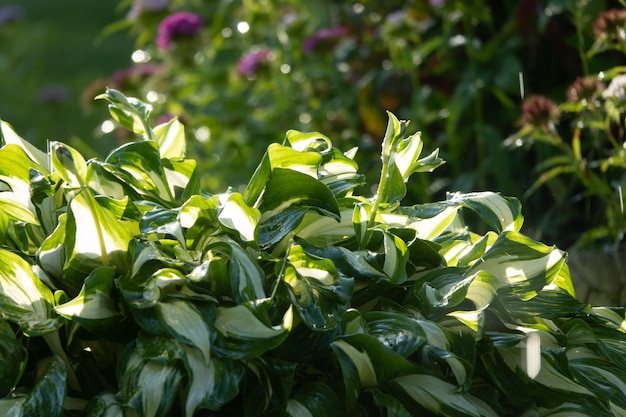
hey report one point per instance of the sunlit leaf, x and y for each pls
(243, 335)
(24, 299)
(171, 139)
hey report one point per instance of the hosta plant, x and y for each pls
(126, 291)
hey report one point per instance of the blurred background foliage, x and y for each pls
(240, 73)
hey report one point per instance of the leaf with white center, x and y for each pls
(288, 188)
(430, 228)
(235, 214)
(24, 299)
(365, 362)
(148, 386)
(316, 290)
(95, 305)
(481, 291)
(130, 112)
(520, 263)
(94, 237)
(440, 397)
(277, 157)
(612, 317)
(324, 230)
(13, 358)
(15, 179)
(242, 335)
(211, 385)
(171, 139)
(407, 154)
(51, 253)
(186, 324)
(69, 164)
(599, 375)
(501, 213)
(139, 165)
(15, 202)
(396, 257)
(548, 375)
(183, 178)
(9, 137)
(314, 399)
(46, 398)
(396, 331)
(247, 279)
(339, 173)
(303, 142)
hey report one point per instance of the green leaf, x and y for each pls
(520, 263)
(139, 165)
(247, 279)
(150, 387)
(365, 362)
(234, 214)
(287, 188)
(13, 358)
(440, 397)
(46, 397)
(339, 173)
(407, 154)
(599, 375)
(211, 385)
(24, 299)
(279, 157)
(303, 142)
(171, 139)
(241, 335)
(317, 291)
(501, 213)
(9, 137)
(314, 399)
(69, 164)
(96, 304)
(396, 331)
(130, 112)
(94, 237)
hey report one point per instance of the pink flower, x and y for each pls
(176, 26)
(324, 36)
(249, 63)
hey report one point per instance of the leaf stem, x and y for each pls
(54, 342)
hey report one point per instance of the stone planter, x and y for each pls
(599, 277)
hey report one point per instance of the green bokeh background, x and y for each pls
(59, 44)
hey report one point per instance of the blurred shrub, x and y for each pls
(453, 67)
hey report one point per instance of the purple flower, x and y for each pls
(177, 25)
(10, 13)
(437, 3)
(53, 93)
(323, 36)
(249, 63)
(140, 7)
(136, 73)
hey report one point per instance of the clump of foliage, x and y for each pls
(126, 291)
(578, 144)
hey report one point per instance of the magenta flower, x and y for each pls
(249, 63)
(176, 26)
(325, 35)
(437, 3)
